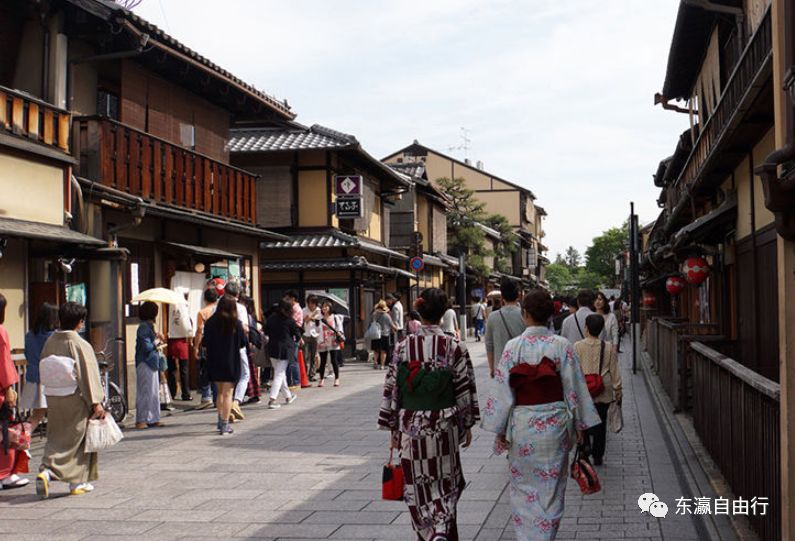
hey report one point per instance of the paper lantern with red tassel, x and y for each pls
(695, 269)
(674, 285)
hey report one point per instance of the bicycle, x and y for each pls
(114, 399)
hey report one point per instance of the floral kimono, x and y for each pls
(540, 436)
(431, 399)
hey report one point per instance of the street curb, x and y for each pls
(691, 470)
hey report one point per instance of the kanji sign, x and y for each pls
(349, 207)
(348, 185)
(417, 264)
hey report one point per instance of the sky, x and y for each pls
(555, 95)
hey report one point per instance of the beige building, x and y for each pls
(500, 196)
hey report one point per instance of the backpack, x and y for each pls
(58, 374)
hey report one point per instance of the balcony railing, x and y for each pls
(141, 164)
(667, 343)
(736, 416)
(753, 59)
(27, 116)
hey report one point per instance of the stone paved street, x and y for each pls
(313, 471)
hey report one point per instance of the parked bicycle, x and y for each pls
(114, 399)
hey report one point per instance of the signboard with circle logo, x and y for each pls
(416, 264)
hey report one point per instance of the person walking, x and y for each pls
(180, 330)
(147, 368)
(70, 407)
(12, 462)
(381, 346)
(283, 335)
(254, 344)
(598, 356)
(573, 328)
(233, 290)
(223, 339)
(504, 325)
(331, 337)
(311, 324)
(430, 405)
(610, 331)
(205, 385)
(479, 318)
(297, 314)
(449, 323)
(33, 397)
(537, 405)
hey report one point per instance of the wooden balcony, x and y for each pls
(26, 116)
(135, 162)
(739, 92)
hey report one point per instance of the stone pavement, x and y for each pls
(313, 471)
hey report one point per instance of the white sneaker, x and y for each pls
(273, 405)
(80, 488)
(290, 400)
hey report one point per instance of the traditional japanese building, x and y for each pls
(350, 257)
(711, 269)
(149, 174)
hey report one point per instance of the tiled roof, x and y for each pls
(109, 9)
(294, 137)
(39, 231)
(416, 170)
(349, 263)
(332, 239)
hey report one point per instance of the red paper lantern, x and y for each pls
(695, 269)
(649, 299)
(674, 285)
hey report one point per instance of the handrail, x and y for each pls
(28, 116)
(757, 381)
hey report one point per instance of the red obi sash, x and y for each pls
(536, 384)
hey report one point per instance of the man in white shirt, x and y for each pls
(449, 322)
(479, 318)
(312, 316)
(573, 328)
(396, 311)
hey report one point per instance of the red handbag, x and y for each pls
(595, 382)
(584, 473)
(392, 481)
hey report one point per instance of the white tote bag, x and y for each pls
(373, 331)
(102, 434)
(615, 418)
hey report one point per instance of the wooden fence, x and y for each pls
(24, 115)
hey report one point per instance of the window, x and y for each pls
(187, 135)
(107, 104)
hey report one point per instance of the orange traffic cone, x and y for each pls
(302, 369)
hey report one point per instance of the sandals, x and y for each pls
(336, 383)
(320, 384)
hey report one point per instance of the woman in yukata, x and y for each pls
(430, 404)
(538, 406)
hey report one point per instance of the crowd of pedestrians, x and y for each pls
(554, 373)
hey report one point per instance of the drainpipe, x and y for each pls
(138, 212)
(81, 216)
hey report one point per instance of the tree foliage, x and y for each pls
(572, 258)
(559, 277)
(503, 253)
(601, 254)
(462, 230)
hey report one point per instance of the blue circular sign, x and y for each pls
(417, 264)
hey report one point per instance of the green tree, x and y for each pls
(462, 230)
(559, 259)
(559, 277)
(586, 279)
(600, 256)
(572, 258)
(503, 253)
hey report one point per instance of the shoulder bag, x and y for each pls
(505, 324)
(584, 473)
(595, 382)
(392, 483)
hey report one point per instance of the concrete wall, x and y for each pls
(313, 199)
(505, 203)
(743, 182)
(12, 285)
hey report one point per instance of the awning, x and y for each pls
(710, 228)
(433, 260)
(201, 251)
(39, 231)
(349, 263)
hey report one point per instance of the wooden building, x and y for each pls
(148, 122)
(350, 258)
(717, 345)
(500, 196)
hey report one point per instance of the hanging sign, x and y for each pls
(349, 207)
(348, 185)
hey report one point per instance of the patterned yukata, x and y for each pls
(430, 439)
(540, 436)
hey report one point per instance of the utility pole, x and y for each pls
(462, 293)
(634, 284)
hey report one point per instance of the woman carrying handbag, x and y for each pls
(600, 364)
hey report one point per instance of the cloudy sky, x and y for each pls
(555, 95)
